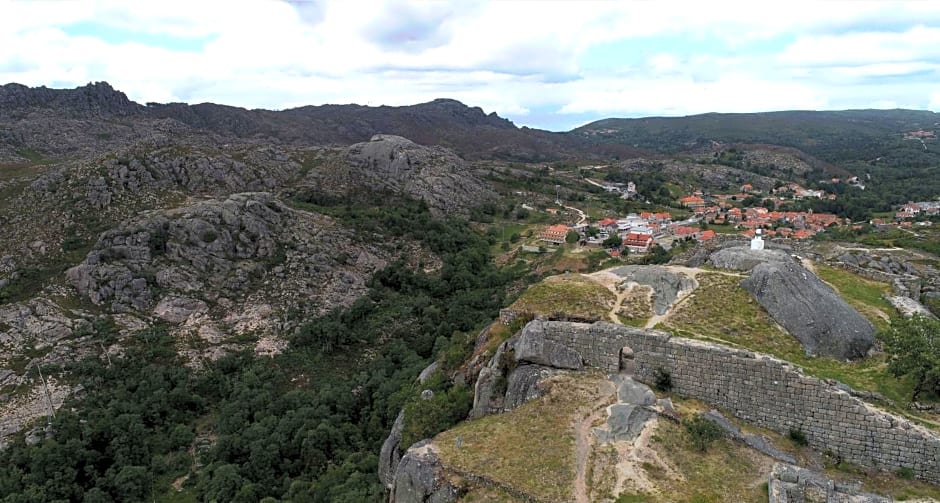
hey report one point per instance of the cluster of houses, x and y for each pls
(779, 195)
(720, 209)
(915, 210)
(637, 232)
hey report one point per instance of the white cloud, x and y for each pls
(512, 57)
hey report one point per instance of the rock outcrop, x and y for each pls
(530, 348)
(525, 383)
(434, 175)
(627, 418)
(390, 455)
(667, 285)
(420, 477)
(810, 310)
(742, 258)
(226, 266)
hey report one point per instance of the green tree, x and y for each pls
(613, 241)
(914, 346)
(572, 237)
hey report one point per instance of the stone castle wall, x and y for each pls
(760, 390)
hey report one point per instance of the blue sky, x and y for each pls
(553, 65)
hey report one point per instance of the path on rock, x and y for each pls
(612, 281)
(584, 439)
(582, 216)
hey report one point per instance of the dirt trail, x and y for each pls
(631, 457)
(584, 440)
(582, 217)
(611, 281)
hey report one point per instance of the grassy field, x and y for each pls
(570, 294)
(862, 294)
(530, 448)
(720, 309)
(726, 472)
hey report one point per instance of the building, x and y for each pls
(638, 242)
(692, 202)
(757, 243)
(555, 234)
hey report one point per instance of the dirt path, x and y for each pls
(631, 458)
(584, 440)
(582, 216)
(612, 281)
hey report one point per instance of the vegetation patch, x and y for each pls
(721, 309)
(724, 471)
(898, 485)
(636, 307)
(863, 294)
(530, 448)
(571, 296)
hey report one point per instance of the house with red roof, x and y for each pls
(692, 202)
(706, 235)
(554, 234)
(638, 242)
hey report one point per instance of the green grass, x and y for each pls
(726, 472)
(723, 228)
(573, 295)
(863, 294)
(893, 485)
(33, 155)
(530, 448)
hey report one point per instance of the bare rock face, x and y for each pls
(743, 258)
(420, 478)
(232, 258)
(533, 348)
(525, 383)
(390, 455)
(810, 310)
(434, 175)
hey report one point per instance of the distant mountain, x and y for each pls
(833, 136)
(468, 131)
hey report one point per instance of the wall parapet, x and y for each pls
(759, 389)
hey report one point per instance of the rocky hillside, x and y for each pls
(59, 122)
(201, 236)
(396, 165)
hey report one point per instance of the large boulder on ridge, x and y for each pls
(810, 310)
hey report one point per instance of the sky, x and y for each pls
(547, 64)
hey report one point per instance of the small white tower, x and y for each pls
(757, 243)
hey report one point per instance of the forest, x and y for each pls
(305, 425)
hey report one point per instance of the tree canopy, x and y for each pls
(914, 346)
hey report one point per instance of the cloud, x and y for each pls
(524, 60)
(411, 27)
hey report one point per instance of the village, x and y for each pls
(742, 212)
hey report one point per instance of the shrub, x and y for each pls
(905, 473)
(662, 379)
(798, 437)
(426, 418)
(702, 432)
